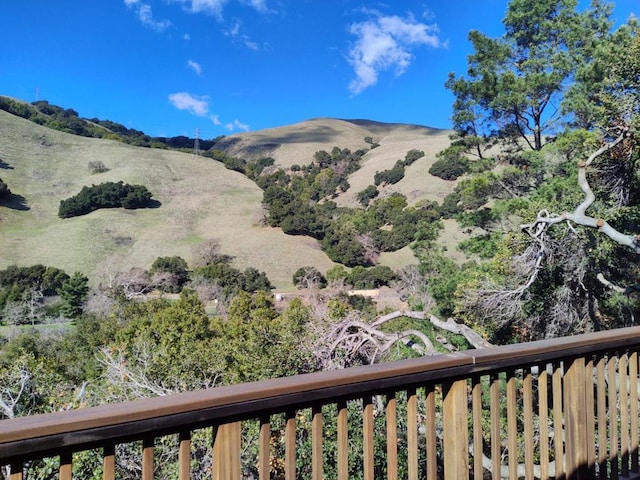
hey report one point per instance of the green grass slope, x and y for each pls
(200, 200)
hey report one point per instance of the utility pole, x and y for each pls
(196, 143)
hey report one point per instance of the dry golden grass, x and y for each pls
(200, 199)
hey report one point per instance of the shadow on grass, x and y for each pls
(4, 165)
(15, 202)
(153, 203)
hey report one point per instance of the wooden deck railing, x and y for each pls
(563, 408)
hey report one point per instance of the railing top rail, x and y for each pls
(114, 422)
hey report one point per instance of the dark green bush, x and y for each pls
(367, 194)
(4, 190)
(451, 164)
(105, 195)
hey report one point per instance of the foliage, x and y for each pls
(309, 277)
(411, 156)
(67, 120)
(451, 163)
(97, 167)
(391, 176)
(366, 195)
(73, 292)
(368, 278)
(17, 282)
(105, 195)
(174, 270)
(232, 280)
(514, 83)
(5, 193)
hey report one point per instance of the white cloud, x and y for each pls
(216, 7)
(186, 37)
(235, 32)
(197, 105)
(195, 66)
(385, 43)
(231, 126)
(259, 5)
(145, 15)
(215, 119)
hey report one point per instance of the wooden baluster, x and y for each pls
(147, 459)
(623, 379)
(601, 402)
(432, 446)
(343, 442)
(456, 431)
(109, 463)
(590, 417)
(317, 460)
(543, 417)
(392, 437)
(290, 446)
(527, 411)
(226, 451)
(633, 399)
(575, 408)
(412, 434)
(184, 456)
(558, 427)
(367, 433)
(65, 466)
(16, 470)
(476, 405)
(496, 450)
(512, 426)
(264, 459)
(613, 415)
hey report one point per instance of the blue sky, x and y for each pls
(167, 67)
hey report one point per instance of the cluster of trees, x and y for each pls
(358, 277)
(24, 292)
(67, 120)
(251, 169)
(300, 203)
(558, 95)
(395, 174)
(213, 277)
(105, 195)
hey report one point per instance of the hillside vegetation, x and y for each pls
(200, 199)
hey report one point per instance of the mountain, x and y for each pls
(199, 198)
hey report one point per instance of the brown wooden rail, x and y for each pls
(562, 408)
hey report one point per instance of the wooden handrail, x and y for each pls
(38, 436)
(175, 412)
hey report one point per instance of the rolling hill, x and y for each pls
(199, 198)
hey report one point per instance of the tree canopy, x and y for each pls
(515, 85)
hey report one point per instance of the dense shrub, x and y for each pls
(391, 176)
(174, 270)
(374, 277)
(105, 195)
(16, 281)
(309, 277)
(97, 167)
(451, 164)
(4, 190)
(232, 280)
(412, 156)
(367, 194)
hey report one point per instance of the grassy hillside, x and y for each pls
(200, 199)
(296, 144)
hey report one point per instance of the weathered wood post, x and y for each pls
(456, 430)
(226, 452)
(575, 420)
